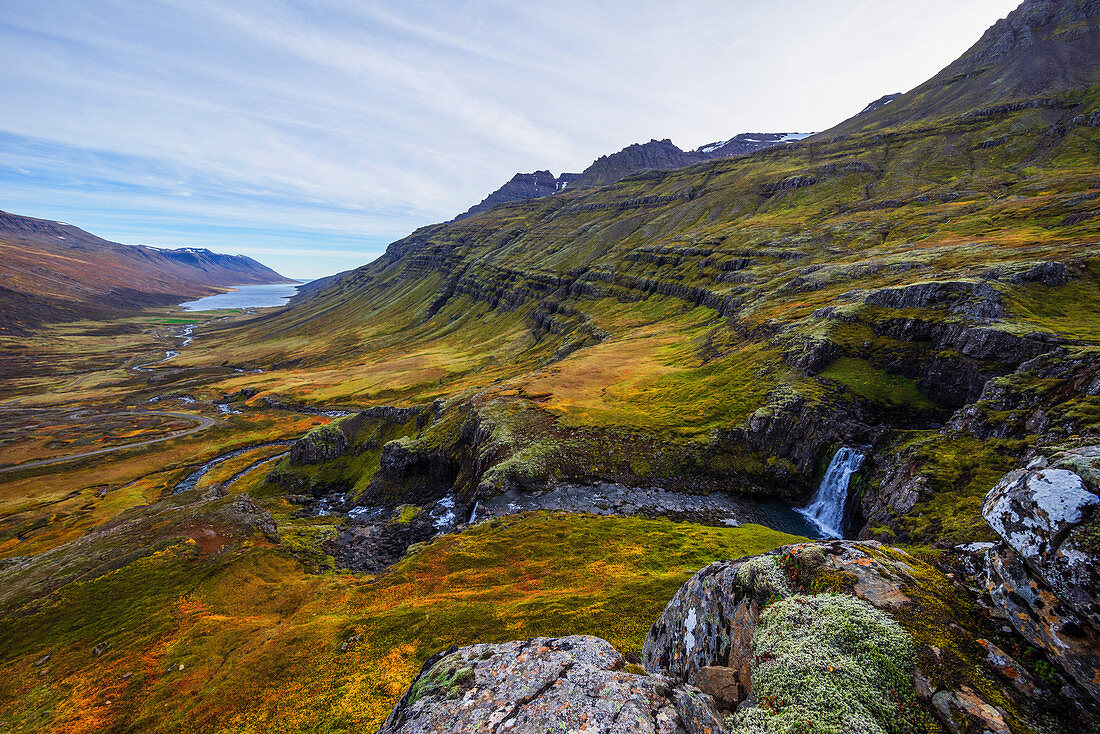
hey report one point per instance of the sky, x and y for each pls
(309, 134)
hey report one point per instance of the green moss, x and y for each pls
(830, 581)
(447, 678)
(406, 514)
(958, 470)
(1087, 536)
(869, 382)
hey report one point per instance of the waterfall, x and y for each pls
(826, 510)
(473, 512)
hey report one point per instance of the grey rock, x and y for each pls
(1037, 512)
(949, 706)
(709, 623)
(1049, 273)
(1042, 577)
(322, 444)
(978, 300)
(1037, 613)
(571, 684)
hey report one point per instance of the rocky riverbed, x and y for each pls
(373, 537)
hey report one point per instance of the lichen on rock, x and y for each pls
(834, 661)
(1042, 576)
(570, 684)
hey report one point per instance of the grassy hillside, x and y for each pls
(212, 628)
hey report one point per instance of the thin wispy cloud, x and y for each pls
(313, 132)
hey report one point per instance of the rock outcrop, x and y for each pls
(1042, 575)
(571, 684)
(521, 187)
(978, 300)
(709, 636)
(1044, 397)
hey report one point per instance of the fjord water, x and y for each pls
(826, 510)
(247, 296)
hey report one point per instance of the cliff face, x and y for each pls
(51, 271)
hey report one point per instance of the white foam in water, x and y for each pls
(447, 518)
(826, 510)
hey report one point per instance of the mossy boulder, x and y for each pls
(772, 622)
(833, 660)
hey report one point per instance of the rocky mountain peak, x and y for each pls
(521, 187)
(1035, 21)
(660, 155)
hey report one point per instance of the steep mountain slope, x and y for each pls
(660, 155)
(1044, 54)
(732, 323)
(50, 271)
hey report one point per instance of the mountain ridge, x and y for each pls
(660, 155)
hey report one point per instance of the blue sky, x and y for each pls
(309, 134)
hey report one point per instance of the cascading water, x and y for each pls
(826, 510)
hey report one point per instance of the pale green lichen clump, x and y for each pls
(764, 576)
(830, 664)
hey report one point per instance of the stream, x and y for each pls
(716, 508)
(192, 479)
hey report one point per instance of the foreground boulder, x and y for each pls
(1043, 514)
(755, 633)
(1042, 576)
(571, 684)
